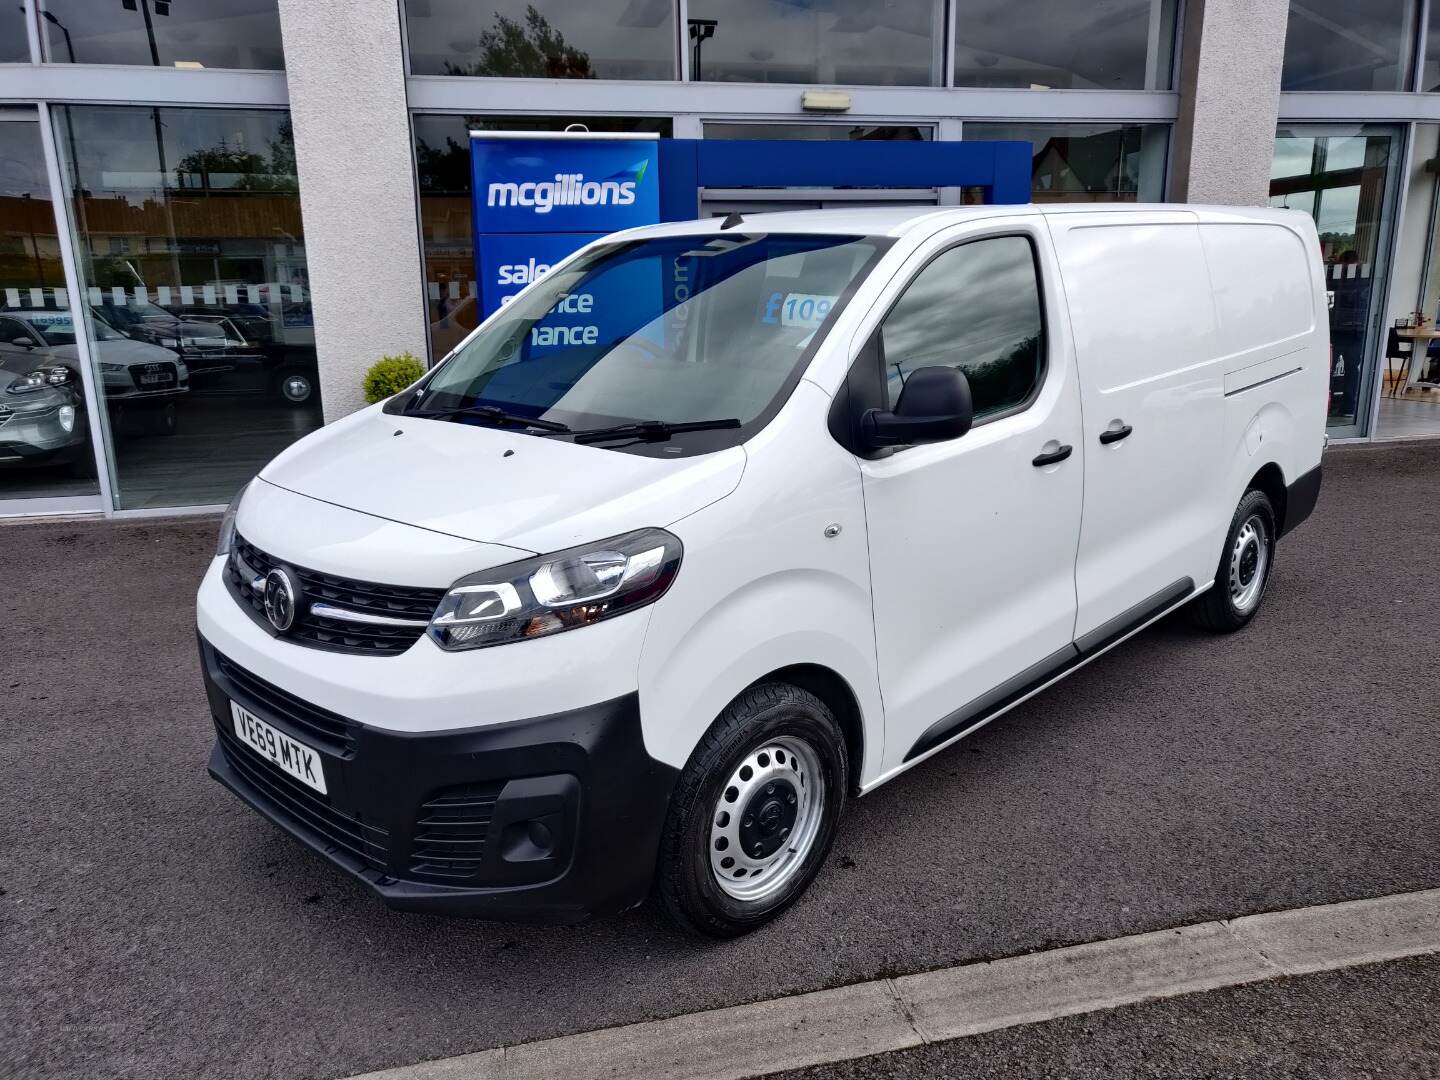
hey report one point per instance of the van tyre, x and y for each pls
(1244, 570)
(753, 813)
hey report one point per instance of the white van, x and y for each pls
(722, 523)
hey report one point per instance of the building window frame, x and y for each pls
(946, 47)
(43, 86)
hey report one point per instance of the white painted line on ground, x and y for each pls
(895, 1014)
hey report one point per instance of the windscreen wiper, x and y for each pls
(651, 430)
(503, 416)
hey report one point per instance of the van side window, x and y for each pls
(975, 307)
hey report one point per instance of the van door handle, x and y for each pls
(1052, 456)
(1115, 434)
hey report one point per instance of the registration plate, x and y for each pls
(300, 761)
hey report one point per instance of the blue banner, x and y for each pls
(564, 185)
(510, 261)
(538, 200)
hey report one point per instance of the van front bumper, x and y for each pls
(546, 820)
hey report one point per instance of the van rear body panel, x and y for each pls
(1200, 331)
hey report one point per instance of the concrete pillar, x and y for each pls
(1231, 55)
(357, 187)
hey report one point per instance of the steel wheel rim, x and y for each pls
(759, 839)
(1249, 561)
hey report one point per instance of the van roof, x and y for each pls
(899, 220)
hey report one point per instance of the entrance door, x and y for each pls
(47, 463)
(972, 541)
(1344, 176)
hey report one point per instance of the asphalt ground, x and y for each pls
(150, 925)
(1367, 1023)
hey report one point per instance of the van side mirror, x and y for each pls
(934, 406)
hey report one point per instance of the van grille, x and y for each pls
(320, 727)
(361, 597)
(308, 809)
(449, 841)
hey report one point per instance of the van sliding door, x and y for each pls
(1146, 346)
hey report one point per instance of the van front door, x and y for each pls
(972, 541)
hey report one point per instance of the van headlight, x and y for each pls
(227, 523)
(553, 593)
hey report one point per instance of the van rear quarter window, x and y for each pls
(1263, 291)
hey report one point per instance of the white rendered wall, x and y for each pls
(346, 74)
(1231, 54)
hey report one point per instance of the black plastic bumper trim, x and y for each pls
(1300, 499)
(986, 705)
(1053, 666)
(1112, 630)
(583, 775)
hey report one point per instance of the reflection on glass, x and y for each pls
(14, 46)
(447, 232)
(1349, 45)
(542, 39)
(836, 132)
(675, 331)
(1344, 190)
(1088, 162)
(1430, 73)
(179, 33)
(975, 308)
(844, 42)
(44, 430)
(1062, 45)
(192, 255)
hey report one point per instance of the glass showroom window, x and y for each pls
(1349, 45)
(843, 131)
(543, 39)
(1430, 72)
(1343, 175)
(447, 230)
(14, 45)
(192, 258)
(178, 33)
(1088, 162)
(1062, 45)
(44, 434)
(1410, 357)
(847, 42)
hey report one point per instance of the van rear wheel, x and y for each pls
(1244, 569)
(754, 812)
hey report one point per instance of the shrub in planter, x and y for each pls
(391, 374)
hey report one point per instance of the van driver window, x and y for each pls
(975, 307)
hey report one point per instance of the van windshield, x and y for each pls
(662, 332)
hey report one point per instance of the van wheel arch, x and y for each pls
(832, 689)
(1271, 480)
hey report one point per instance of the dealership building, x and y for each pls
(250, 201)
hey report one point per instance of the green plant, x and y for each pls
(391, 374)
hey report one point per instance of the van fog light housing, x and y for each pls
(550, 594)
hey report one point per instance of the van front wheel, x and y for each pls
(1244, 569)
(754, 812)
